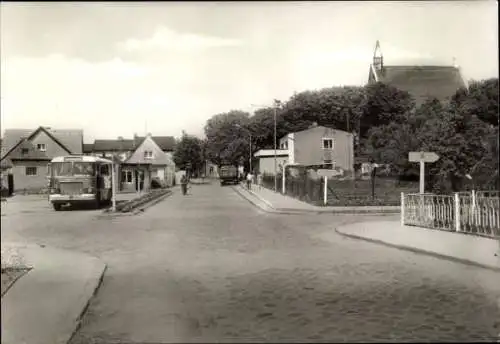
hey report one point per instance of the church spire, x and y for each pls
(378, 58)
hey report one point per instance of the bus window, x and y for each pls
(104, 170)
(83, 168)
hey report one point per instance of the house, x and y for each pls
(150, 160)
(265, 160)
(28, 152)
(320, 146)
(421, 81)
(122, 150)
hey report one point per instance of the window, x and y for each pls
(105, 170)
(25, 151)
(327, 143)
(148, 154)
(31, 171)
(126, 176)
(41, 147)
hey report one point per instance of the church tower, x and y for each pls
(378, 58)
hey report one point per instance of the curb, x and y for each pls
(420, 251)
(144, 206)
(290, 211)
(236, 189)
(140, 203)
(79, 320)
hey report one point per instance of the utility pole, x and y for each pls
(113, 186)
(250, 158)
(276, 102)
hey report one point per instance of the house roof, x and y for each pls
(270, 153)
(70, 139)
(88, 147)
(423, 82)
(114, 145)
(5, 163)
(25, 150)
(166, 143)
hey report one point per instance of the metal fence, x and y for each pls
(462, 212)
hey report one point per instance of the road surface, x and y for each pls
(210, 267)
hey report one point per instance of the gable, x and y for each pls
(25, 150)
(159, 157)
(166, 143)
(53, 147)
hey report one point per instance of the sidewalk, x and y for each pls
(463, 248)
(45, 305)
(280, 203)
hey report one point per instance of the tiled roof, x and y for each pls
(424, 82)
(88, 147)
(113, 145)
(12, 137)
(70, 139)
(166, 143)
(25, 150)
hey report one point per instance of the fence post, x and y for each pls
(325, 191)
(473, 199)
(457, 212)
(283, 181)
(402, 209)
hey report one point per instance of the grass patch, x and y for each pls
(10, 276)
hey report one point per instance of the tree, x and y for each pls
(228, 137)
(189, 151)
(384, 104)
(480, 99)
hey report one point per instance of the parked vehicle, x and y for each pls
(228, 174)
(77, 179)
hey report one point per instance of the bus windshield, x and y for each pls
(72, 168)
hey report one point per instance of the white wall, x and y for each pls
(266, 164)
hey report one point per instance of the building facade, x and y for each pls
(28, 153)
(320, 146)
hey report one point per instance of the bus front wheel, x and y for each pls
(57, 206)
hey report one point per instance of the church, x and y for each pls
(421, 81)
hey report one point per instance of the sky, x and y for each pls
(115, 69)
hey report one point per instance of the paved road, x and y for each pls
(210, 267)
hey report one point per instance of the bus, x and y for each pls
(80, 179)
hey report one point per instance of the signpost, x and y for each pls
(422, 158)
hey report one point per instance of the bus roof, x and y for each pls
(81, 158)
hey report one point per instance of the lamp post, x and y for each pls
(277, 103)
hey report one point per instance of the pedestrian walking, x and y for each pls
(184, 184)
(249, 180)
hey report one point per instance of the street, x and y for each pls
(210, 267)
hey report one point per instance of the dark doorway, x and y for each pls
(10, 182)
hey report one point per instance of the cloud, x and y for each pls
(167, 39)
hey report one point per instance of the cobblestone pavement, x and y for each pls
(210, 267)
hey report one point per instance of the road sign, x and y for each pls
(423, 156)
